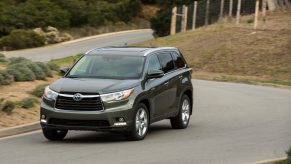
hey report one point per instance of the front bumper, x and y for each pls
(105, 120)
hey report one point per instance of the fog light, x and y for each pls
(43, 119)
(120, 124)
(121, 119)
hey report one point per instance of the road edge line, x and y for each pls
(19, 129)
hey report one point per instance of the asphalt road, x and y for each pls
(80, 46)
(232, 123)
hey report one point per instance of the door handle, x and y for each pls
(166, 83)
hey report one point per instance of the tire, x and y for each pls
(181, 121)
(54, 134)
(140, 123)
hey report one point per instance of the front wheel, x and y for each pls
(54, 134)
(140, 124)
(181, 121)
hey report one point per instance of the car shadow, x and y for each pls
(112, 137)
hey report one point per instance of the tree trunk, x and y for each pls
(207, 12)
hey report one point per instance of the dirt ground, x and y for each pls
(16, 92)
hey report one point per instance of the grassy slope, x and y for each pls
(230, 53)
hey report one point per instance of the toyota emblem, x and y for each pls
(77, 97)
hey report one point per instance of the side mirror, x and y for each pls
(63, 71)
(155, 74)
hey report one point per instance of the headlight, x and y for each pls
(50, 94)
(122, 95)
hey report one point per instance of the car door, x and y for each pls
(178, 75)
(168, 101)
(156, 87)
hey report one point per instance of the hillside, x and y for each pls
(35, 23)
(238, 53)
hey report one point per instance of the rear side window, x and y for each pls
(178, 60)
(166, 61)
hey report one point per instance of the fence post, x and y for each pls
(184, 18)
(194, 15)
(281, 4)
(238, 12)
(257, 14)
(207, 13)
(221, 10)
(286, 3)
(230, 8)
(264, 13)
(173, 21)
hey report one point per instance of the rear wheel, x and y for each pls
(181, 121)
(140, 124)
(54, 134)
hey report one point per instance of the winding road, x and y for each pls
(232, 123)
(82, 45)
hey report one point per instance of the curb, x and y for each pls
(19, 129)
(102, 35)
(270, 161)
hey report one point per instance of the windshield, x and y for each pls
(108, 66)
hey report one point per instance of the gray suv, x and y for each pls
(121, 89)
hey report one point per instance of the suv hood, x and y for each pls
(89, 85)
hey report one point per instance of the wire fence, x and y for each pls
(205, 12)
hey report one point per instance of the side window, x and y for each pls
(154, 63)
(179, 62)
(166, 62)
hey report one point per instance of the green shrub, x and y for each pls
(8, 106)
(20, 38)
(45, 69)
(25, 70)
(38, 72)
(38, 91)
(25, 73)
(53, 66)
(18, 76)
(3, 58)
(16, 60)
(6, 78)
(27, 103)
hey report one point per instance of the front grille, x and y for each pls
(86, 104)
(95, 123)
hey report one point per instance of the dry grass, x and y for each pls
(16, 92)
(261, 55)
